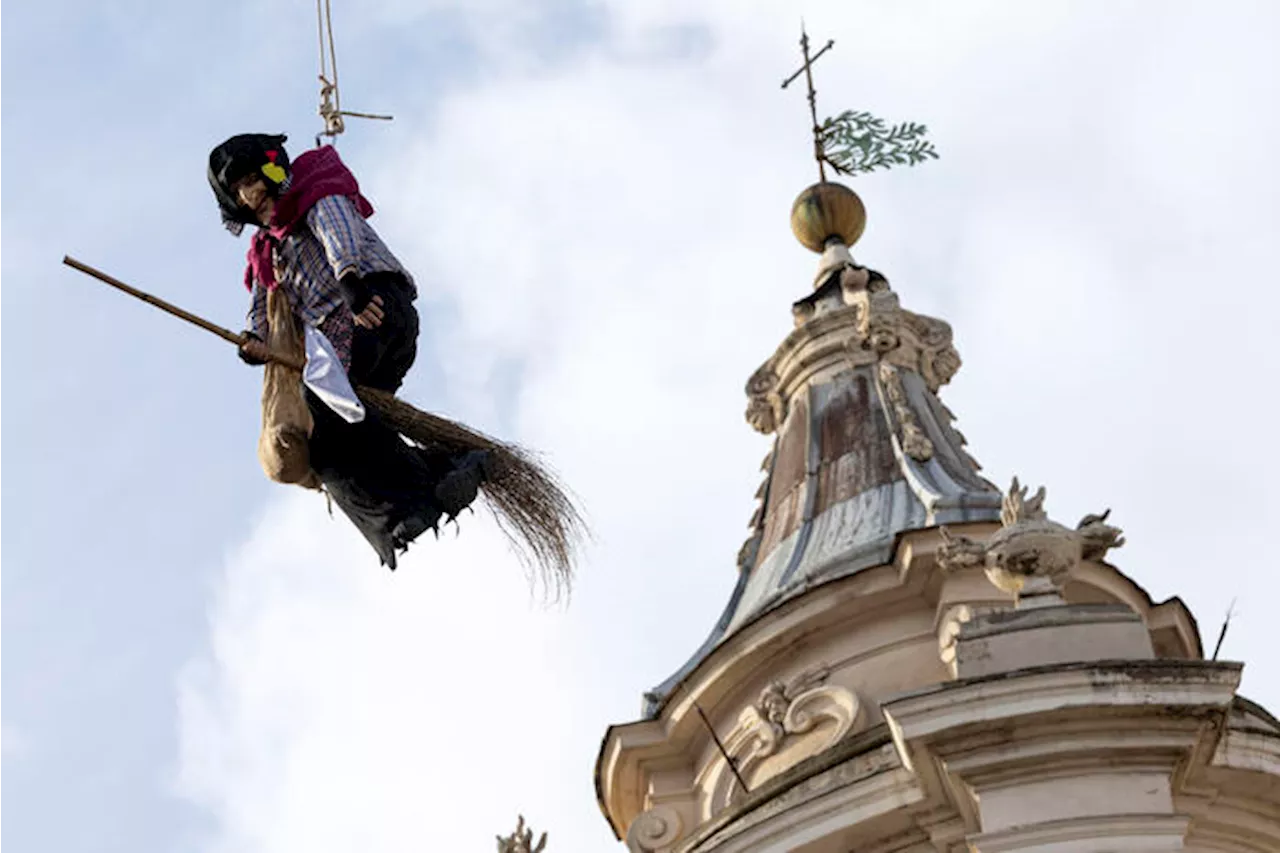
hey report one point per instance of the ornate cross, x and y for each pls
(857, 141)
(813, 95)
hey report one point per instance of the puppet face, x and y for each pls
(247, 157)
(252, 192)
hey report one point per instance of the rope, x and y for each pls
(324, 71)
(330, 97)
(330, 102)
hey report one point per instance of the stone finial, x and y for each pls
(1030, 555)
(521, 841)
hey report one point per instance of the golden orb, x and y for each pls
(827, 210)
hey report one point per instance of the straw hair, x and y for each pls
(532, 509)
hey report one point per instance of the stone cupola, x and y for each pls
(864, 449)
(912, 661)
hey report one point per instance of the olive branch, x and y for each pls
(859, 142)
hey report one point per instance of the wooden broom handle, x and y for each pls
(225, 334)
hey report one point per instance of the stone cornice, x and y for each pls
(1222, 822)
(1262, 719)
(1250, 750)
(951, 706)
(856, 758)
(631, 752)
(1119, 832)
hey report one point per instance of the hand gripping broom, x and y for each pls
(539, 519)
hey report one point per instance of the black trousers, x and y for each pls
(381, 357)
(374, 476)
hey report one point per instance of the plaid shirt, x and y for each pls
(310, 261)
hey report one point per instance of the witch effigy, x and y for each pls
(332, 321)
(315, 252)
(326, 290)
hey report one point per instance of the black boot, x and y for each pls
(458, 489)
(414, 526)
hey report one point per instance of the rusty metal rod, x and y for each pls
(720, 746)
(830, 44)
(1222, 635)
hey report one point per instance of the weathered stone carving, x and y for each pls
(803, 312)
(521, 841)
(880, 321)
(765, 409)
(854, 279)
(914, 442)
(1030, 553)
(785, 714)
(932, 333)
(960, 552)
(884, 326)
(858, 323)
(951, 623)
(939, 364)
(655, 830)
(1097, 537)
(777, 699)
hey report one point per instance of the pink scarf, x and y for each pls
(315, 174)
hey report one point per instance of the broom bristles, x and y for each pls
(532, 509)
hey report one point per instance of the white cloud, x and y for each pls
(619, 229)
(345, 707)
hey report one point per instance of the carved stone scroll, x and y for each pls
(788, 723)
(655, 830)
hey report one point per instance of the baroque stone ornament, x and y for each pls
(950, 624)
(1097, 537)
(800, 717)
(777, 699)
(765, 410)
(880, 323)
(1030, 554)
(914, 442)
(853, 319)
(655, 830)
(521, 841)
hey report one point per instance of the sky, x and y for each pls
(593, 197)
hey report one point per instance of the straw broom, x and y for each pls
(532, 509)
